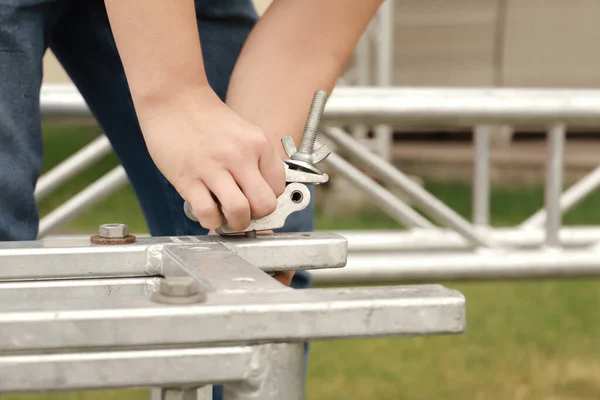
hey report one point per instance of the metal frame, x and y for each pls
(179, 314)
(540, 238)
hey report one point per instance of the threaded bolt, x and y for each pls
(311, 129)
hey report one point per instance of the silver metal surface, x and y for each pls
(178, 290)
(113, 230)
(481, 177)
(463, 107)
(311, 129)
(76, 288)
(93, 194)
(179, 394)
(422, 197)
(124, 368)
(385, 70)
(276, 374)
(67, 169)
(307, 153)
(241, 317)
(554, 183)
(77, 258)
(436, 106)
(215, 268)
(296, 197)
(389, 203)
(481, 265)
(440, 239)
(203, 393)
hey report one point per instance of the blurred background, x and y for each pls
(524, 340)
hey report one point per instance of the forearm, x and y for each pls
(159, 45)
(296, 48)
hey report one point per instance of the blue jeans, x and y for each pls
(78, 32)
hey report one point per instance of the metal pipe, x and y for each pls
(569, 199)
(385, 53)
(93, 194)
(431, 240)
(389, 203)
(554, 182)
(451, 107)
(385, 71)
(62, 100)
(423, 198)
(481, 176)
(482, 265)
(362, 60)
(464, 108)
(70, 167)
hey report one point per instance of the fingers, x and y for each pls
(203, 205)
(258, 192)
(272, 169)
(234, 205)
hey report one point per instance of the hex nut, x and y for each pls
(179, 286)
(111, 231)
(178, 290)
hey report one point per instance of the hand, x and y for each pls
(204, 148)
(285, 277)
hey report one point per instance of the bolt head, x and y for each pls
(113, 231)
(179, 286)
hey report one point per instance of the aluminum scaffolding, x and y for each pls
(179, 314)
(454, 248)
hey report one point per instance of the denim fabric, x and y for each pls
(79, 34)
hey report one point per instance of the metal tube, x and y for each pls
(481, 176)
(276, 375)
(72, 166)
(569, 199)
(483, 265)
(424, 199)
(451, 107)
(77, 258)
(389, 203)
(237, 316)
(464, 107)
(436, 240)
(554, 182)
(385, 70)
(362, 62)
(93, 194)
(124, 369)
(385, 53)
(362, 59)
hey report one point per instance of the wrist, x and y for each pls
(182, 95)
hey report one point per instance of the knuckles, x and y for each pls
(265, 206)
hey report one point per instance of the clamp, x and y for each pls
(300, 170)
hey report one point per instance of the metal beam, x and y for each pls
(481, 265)
(241, 317)
(77, 258)
(434, 106)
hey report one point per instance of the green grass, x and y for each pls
(524, 340)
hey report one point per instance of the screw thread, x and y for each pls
(311, 129)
